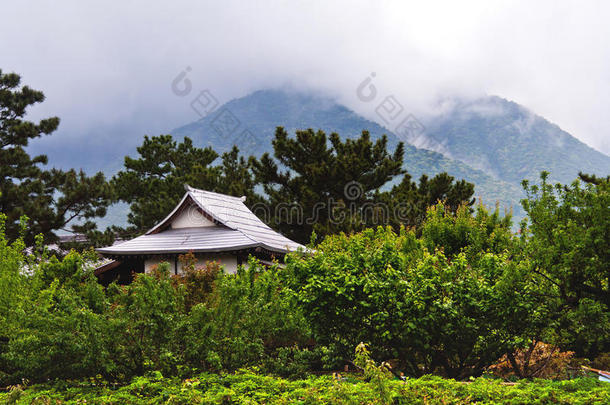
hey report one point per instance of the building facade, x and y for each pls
(212, 226)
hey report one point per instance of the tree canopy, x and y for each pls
(153, 183)
(325, 185)
(314, 183)
(567, 238)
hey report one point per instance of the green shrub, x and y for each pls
(57, 330)
(58, 338)
(432, 312)
(566, 238)
(198, 282)
(245, 320)
(143, 317)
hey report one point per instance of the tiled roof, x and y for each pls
(202, 239)
(238, 228)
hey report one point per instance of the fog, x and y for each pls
(107, 71)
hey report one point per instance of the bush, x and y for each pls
(56, 330)
(432, 312)
(143, 318)
(198, 282)
(567, 242)
(59, 323)
(246, 319)
(294, 362)
(466, 233)
(58, 338)
(13, 281)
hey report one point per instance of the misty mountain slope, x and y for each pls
(511, 143)
(250, 123)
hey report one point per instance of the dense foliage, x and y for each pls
(567, 242)
(58, 322)
(451, 298)
(325, 185)
(450, 302)
(311, 176)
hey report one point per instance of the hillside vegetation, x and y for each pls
(512, 143)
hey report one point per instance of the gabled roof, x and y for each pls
(237, 228)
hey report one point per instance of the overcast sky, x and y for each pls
(107, 70)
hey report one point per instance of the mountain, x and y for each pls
(511, 143)
(250, 123)
(491, 142)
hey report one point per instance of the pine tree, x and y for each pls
(153, 183)
(51, 199)
(327, 185)
(324, 184)
(410, 200)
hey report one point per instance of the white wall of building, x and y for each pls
(191, 217)
(227, 261)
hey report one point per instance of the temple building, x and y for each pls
(214, 227)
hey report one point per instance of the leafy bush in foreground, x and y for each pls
(451, 299)
(246, 321)
(57, 322)
(451, 302)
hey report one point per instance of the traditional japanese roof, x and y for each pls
(233, 227)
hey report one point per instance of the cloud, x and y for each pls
(110, 67)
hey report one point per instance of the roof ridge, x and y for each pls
(237, 228)
(208, 211)
(198, 190)
(231, 223)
